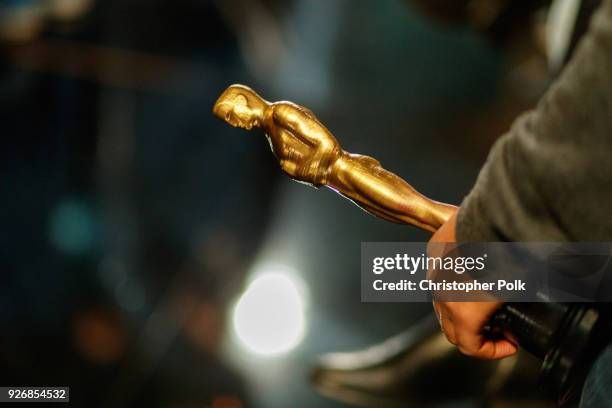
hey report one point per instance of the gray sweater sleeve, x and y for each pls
(550, 177)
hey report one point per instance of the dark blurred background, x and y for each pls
(132, 219)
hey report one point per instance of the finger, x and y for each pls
(502, 348)
(488, 349)
(471, 342)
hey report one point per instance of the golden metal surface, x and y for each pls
(310, 154)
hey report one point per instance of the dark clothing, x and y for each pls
(550, 177)
(597, 391)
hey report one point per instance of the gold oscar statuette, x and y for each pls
(309, 153)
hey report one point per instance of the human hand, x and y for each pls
(463, 322)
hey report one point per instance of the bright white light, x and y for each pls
(269, 316)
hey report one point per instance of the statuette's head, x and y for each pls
(241, 107)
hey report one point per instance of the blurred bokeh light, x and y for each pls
(269, 316)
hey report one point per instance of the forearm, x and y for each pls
(384, 194)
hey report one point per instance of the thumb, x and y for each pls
(498, 349)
